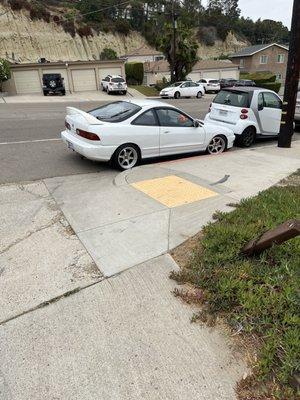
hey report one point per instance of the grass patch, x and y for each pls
(148, 91)
(256, 296)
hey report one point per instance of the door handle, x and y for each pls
(166, 131)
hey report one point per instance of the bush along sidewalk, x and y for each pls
(259, 296)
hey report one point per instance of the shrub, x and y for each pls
(69, 27)
(56, 19)
(108, 54)
(84, 30)
(17, 5)
(207, 35)
(134, 73)
(5, 73)
(271, 86)
(160, 85)
(39, 12)
(122, 27)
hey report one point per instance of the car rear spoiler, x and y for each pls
(88, 117)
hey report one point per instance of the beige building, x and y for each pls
(263, 57)
(79, 76)
(143, 54)
(212, 69)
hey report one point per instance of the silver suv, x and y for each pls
(114, 84)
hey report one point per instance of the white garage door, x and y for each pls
(27, 81)
(84, 80)
(211, 74)
(229, 74)
(103, 72)
(63, 73)
(194, 76)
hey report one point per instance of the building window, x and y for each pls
(278, 77)
(242, 63)
(263, 59)
(280, 58)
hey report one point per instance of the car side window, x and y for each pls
(271, 100)
(170, 117)
(260, 101)
(186, 84)
(202, 81)
(146, 119)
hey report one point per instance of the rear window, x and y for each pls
(232, 98)
(117, 80)
(115, 112)
(213, 81)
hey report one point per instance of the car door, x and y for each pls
(194, 89)
(185, 89)
(269, 111)
(178, 133)
(144, 131)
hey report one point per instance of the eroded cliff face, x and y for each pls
(24, 40)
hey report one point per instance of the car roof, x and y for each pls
(149, 103)
(246, 89)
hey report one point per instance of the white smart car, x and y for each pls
(249, 111)
(183, 89)
(125, 132)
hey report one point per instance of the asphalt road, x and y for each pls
(30, 145)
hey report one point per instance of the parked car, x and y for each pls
(245, 82)
(227, 82)
(183, 89)
(124, 132)
(114, 84)
(53, 84)
(297, 110)
(210, 85)
(249, 112)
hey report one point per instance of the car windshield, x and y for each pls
(117, 80)
(232, 98)
(115, 112)
(176, 84)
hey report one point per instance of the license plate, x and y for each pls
(70, 145)
(223, 112)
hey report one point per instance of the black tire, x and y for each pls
(199, 95)
(247, 138)
(45, 92)
(177, 95)
(132, 151)
(63, 92)
(125, 92)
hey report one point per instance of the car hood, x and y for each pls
(167, 89)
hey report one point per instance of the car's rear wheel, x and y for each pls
(199, 95)
(126, 156)
(247, 138)
(177, 95)
(217, 145)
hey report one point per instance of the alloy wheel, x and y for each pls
(128, 157)
(217, 145)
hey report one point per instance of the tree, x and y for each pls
(108, 54)
(4, 71)
(231, 9)
(186, 50)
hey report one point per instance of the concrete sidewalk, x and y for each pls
(86, 308)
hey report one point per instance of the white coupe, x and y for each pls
(183, 89)
(124, 132)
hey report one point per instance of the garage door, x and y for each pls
(229, 74)
(211, 74)
(63, 73)
(84, 80)
(194, 76)
(27, 82)
(103, 72)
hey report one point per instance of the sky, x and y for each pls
(278, 10)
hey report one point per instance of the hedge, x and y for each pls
(134, 73)
(270, 85)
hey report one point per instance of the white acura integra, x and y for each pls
(124, 132)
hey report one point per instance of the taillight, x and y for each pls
(243, 116)
(209, 108)
(67, 125)
(87, 135)
(244, 111)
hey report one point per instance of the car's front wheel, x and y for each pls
(217, 145)
(126, 156)
(247, 138)
(177, 95)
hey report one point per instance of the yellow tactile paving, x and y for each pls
(173, 191)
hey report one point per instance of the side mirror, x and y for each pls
(260, 107)
(196, 124)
